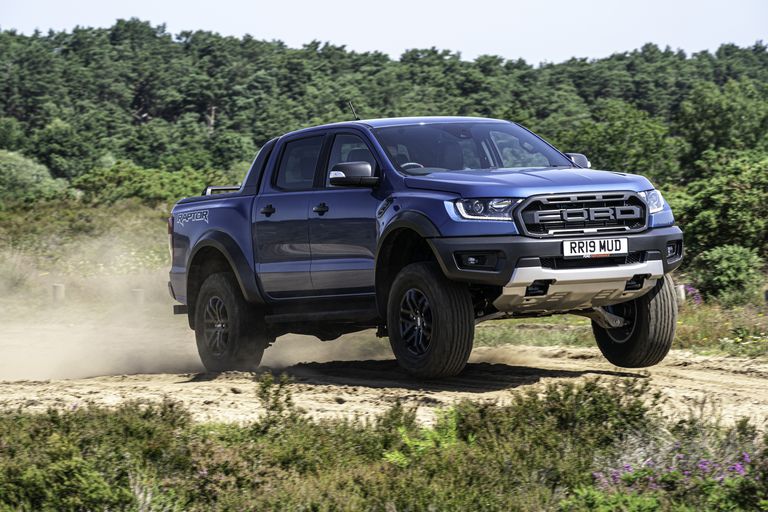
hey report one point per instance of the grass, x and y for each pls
(545, 331)
(701, 328)
(570, 447)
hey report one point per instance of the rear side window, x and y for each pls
(298, 164)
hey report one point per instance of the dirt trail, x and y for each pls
(353, 377)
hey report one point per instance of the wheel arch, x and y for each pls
(218, 252)
(404, 241)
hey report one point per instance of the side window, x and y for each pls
(349, 148)
(298, 164)
(517, 153)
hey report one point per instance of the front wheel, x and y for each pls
(650, 329)
(430, 320)
(230, 332)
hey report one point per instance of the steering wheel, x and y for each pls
(411, 165)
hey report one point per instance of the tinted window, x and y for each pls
(517, 152)
(435, 147)
(349, 148)
(298, 164)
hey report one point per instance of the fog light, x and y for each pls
(674, 249)
(477, 260)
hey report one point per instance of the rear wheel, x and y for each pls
(430, 320)
(650, 329)
(230, 332)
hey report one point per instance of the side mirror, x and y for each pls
(579, 159)
(353, 174)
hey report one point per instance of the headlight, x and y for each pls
(489, 209)
(654, 200)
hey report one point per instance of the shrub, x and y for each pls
(543, 449)
(22, 178)
(728, 203)
(152, 186)
(730, 273)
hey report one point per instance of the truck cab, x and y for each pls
(421, 228)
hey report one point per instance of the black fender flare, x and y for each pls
(414, 220)
(409, 219)
(226, 245)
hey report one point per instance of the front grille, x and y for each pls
(560, 263)
(565, 215)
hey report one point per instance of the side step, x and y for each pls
(358, 310)
(352, 315)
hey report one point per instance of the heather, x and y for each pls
(594, 445)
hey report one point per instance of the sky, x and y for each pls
(535, 30)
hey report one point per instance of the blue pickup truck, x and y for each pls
(421, 228)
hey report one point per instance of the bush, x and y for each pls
(730, 273)
(550, 447)
(152, 186)
(22, 178)
(728, 203)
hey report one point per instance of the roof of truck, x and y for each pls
(402, 121)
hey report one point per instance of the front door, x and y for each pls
(280, 217)
(342, 226)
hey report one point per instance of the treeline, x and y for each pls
(135, 104)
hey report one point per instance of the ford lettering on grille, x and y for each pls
(578, 214)
(587, 214)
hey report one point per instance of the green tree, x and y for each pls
(64, 150)
(11, 134)
(622, 138)
(728, 203)
(732, 117)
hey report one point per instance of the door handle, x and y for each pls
(268, 210)
(320, 209)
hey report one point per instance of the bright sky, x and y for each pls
(536, 30)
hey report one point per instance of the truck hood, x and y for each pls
(527, 182)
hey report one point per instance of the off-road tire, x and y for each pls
(646, 341)
(242, 335)
(449, 312)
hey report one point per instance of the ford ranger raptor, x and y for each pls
(421, 228)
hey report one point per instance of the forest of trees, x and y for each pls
(134, 110)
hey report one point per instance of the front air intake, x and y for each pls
(562, 215)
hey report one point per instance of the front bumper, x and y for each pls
(527, 271)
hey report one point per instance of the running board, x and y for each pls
(353, 315)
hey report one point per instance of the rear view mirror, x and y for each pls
(353, 174)
(579, 159)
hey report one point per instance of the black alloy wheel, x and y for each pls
(216, 322)
(416, 322)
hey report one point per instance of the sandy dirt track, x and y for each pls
(348, 378)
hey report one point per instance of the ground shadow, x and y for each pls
(476, 377)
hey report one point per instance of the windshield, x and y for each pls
(438, 147)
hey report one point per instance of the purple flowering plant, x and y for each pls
(682, 474)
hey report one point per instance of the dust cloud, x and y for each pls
(115, 319)
(120, 325)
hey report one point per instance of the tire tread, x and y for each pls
(457, 327)
(651, 341)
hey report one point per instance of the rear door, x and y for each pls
(342, 224)
(280, 217)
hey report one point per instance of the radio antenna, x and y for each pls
(352, 107)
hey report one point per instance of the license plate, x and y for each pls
(601, 248)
